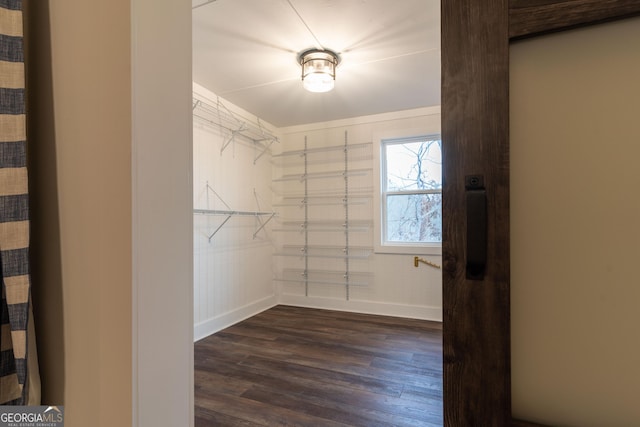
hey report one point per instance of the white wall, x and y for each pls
(575, 103)
(233, 270)
(237, 276)
(395, 286)
(162, 220)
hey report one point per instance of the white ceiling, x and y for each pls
(245, 51)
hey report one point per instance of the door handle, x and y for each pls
(476, 196)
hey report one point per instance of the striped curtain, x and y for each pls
(14, 210)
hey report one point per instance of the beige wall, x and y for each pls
(110, 163)
(80, 174)
(575, 206)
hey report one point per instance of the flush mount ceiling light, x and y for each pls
(318, 69)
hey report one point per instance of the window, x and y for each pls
(411, 193)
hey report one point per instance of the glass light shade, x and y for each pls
(318, 82)
(318, 70)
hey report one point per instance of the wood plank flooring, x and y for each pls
(291, 366)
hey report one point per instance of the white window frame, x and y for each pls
(430, 130)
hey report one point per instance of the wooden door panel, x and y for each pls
(475, 142)
(475, 130)
(529, 18)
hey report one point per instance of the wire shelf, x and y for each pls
(236, 126)
(324, 155)
(334, 200)
(327, 277)
(320, 251)
(325, 226)
(229, 213)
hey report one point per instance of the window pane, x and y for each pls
(413, 166)
(415, 218)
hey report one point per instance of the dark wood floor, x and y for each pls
(291, 366)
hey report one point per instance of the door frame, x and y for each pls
(475, 132)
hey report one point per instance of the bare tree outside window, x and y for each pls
(412, 190)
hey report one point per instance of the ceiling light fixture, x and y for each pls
(318, 69)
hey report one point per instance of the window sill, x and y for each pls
(405, 249)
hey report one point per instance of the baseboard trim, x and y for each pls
(367, 307)
(218, 323)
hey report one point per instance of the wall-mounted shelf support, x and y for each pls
(306, 220)
(262, 224)
(346, 216)
(267, 142)
(232, 138)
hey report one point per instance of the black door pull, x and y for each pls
(476, 227)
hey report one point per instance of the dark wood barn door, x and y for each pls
(475, 131)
